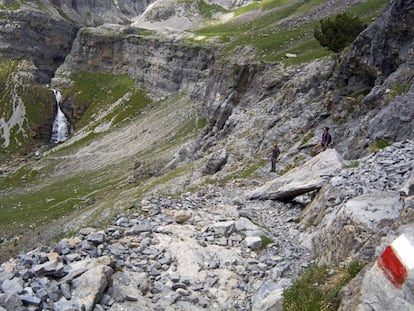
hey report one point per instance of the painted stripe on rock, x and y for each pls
(393, 268)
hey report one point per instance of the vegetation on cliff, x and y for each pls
(26, 109)
(280, 28)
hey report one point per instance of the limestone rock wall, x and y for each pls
(374, 74)
(36, 36)
(94, 13)
(160, 66)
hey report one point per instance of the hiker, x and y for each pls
(325, 141)
(275, 156)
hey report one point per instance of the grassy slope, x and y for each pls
(88, 174)
(272, 40)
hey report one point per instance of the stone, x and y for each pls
(215, 162)
(117, 249)
(13, 286)
(407, 188)
(67, 305)
(224, 228)
(308, 177)
(254, 243)
(30, 300)
(269, 296)
(65, 289)
(96, 237)
(181, 217)
(10, 301)
(142, 227)
(356, 225)
(89, 287)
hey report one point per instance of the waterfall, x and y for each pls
(60, 128)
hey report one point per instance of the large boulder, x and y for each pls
(215, 162)
(89, 287)
(308, 177)
(355, 227)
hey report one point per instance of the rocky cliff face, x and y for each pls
(33, 35)
(102, 11)
(379, 55)
(161, 66)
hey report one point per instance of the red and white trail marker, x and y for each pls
(397, 260)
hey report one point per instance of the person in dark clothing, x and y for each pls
(325, 141)
(275, 156)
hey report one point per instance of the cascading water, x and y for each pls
(60, 128)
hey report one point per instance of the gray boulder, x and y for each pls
(215, 162)
(269, 296)
(355, 228)
(308, 177)
(88, 288)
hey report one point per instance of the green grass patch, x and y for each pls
(380, 144)
(351, 164)
(71, 148)
(63, 14)
(129, 109)
(400, 88)
(354, 268)
(273, 42)
(152, 184)
(208, 10)
(11, 6)
(318, 289)
(307, 137)
(30, 200)
(367, 10)
(190, 129)
(306, 294)
(266, 240)
(94, 92)
(249, 171)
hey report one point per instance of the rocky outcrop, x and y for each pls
(372, 74)
(356, 227)
(380, 49)
(311, 176)
(360, 205)
(395, 121)
(171, 14)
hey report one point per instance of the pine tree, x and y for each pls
(337, 33)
